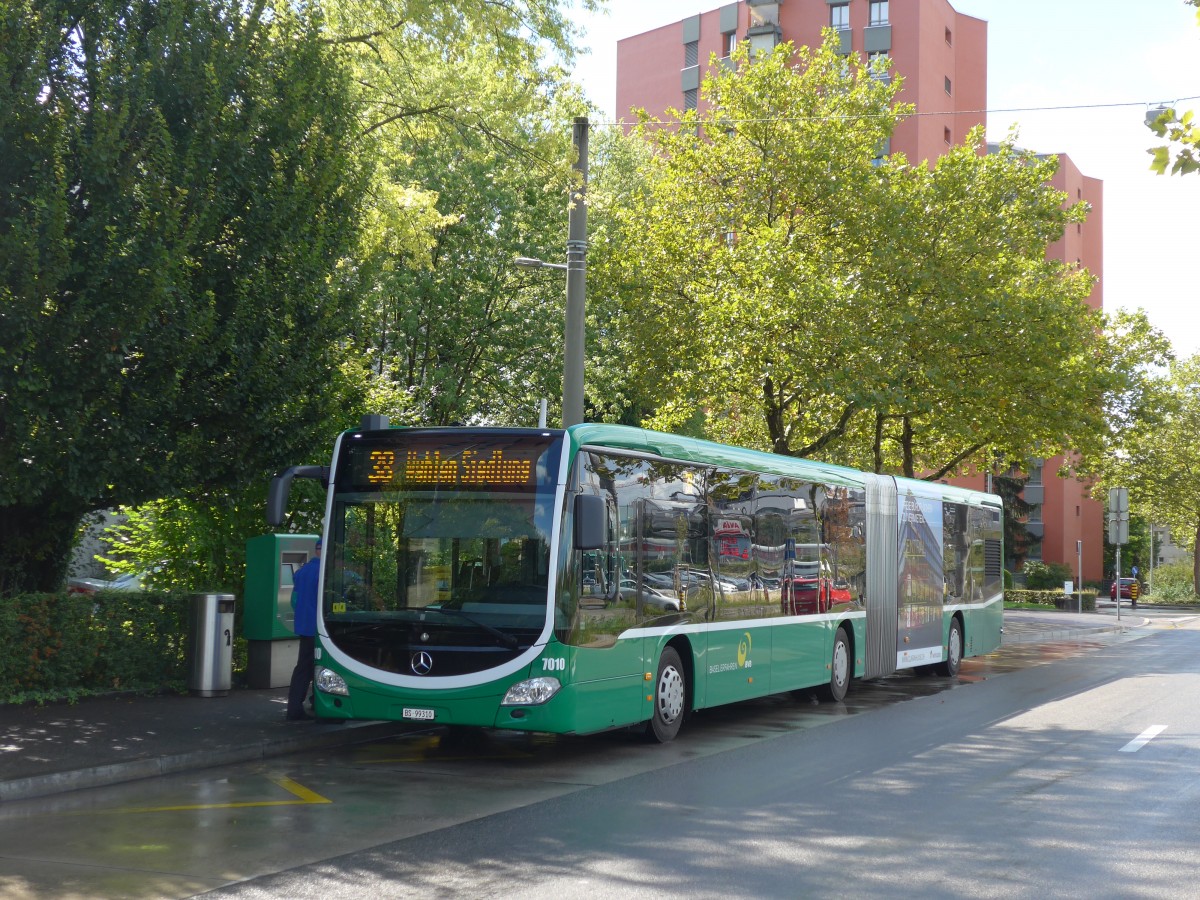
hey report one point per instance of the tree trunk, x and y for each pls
(773, 412)
(35, 546)
(1196, 561)
(907, 444)
(878, 447)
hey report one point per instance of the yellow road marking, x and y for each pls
(200, 806)
(304, 797)
(299, 790)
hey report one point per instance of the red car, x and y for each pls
(1128, 591)
(811, 589)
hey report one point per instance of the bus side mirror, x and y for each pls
(589, 522)
(281, 486)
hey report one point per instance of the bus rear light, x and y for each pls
(532, 692)
(330, 682)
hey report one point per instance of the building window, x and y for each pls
(877, 65)
(763, 12)
(839, 16)
(691, 54)
(946, 135)
(689, 99)
(949, 38)
(948, 91)
(729, 40)
(879, 12)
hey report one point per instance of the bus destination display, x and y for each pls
(478, 468)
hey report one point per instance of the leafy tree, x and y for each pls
(822, 301)
(1159, 461)
(417, 63)
(736, 249)
(198, 541)
(179, 180)
(1017, 540)
(1182, 133)
(473, 155)
(470, 108)
(1135, 552)
(469, 337)
(437, 74)
(614, 392)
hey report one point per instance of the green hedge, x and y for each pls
(63, 646)
(1053, 599)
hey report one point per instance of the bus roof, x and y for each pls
(686, 449)
(695, 450)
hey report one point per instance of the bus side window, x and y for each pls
(600, 575)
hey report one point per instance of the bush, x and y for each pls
(1174, 582)
(1040, 576)
(1052, 599)
(63, 646)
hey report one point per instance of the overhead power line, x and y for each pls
(1158, 104)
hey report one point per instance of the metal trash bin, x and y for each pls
(210, 644)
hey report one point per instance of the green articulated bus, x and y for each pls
(602, 576)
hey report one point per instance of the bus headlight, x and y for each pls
(533, 692)
(330, 682)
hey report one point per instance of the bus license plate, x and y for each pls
(423, 714)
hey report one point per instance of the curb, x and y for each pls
(1066, 633)
(152, 767)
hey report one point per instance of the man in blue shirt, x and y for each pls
(305, 585)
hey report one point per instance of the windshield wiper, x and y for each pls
(506, 639)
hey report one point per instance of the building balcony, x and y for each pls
(877, 38)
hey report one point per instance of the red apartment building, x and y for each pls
(942, 55)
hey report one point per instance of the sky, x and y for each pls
(1093, 54)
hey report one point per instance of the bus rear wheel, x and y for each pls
(670, 698)
(839, 668)
(954, 651)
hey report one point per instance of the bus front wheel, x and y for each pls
(839, 668)
(670, 698)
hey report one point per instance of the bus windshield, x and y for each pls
(440, 541)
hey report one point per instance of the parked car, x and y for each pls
(651, 597)
(130, 581)
(1127, 592)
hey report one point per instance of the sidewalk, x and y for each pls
(1034, 626)
(106, 740)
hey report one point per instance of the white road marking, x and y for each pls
(1143, 739)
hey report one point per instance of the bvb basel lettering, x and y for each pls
(468, 468)
(743, 658)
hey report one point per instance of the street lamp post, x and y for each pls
(576, 282)
(1079, 561)
(576, 269)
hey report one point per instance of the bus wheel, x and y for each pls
(949, 668)
(670, 698)
(839, 669)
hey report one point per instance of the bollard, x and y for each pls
(210, 644)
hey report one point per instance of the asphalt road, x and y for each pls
(1063, 769)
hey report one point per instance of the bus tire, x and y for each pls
(839, 668)
(954, 651)
(670, 698)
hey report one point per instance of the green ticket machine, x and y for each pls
(271, 560)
